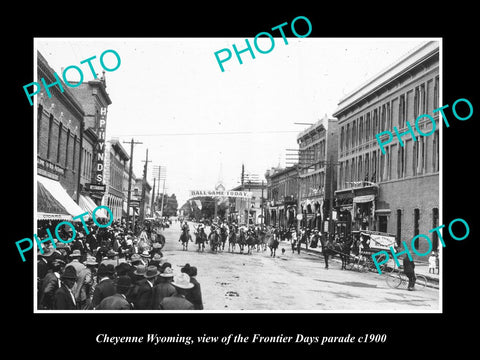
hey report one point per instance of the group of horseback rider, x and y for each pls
(261, 237)
(246, 237)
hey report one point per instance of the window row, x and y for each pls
(418, 100)
(57, 143)
(414, 158)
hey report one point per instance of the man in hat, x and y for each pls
(155, 260)
(105, 286)
(144, 299)
(85, 293)
(409, 270)
(156, 249)
(194, 295)
(64, 297)
(50, 284)
(136, 259)
(164, 287)
(43, 263)
(118, 301)
(178, 301)
(75, 260)
(111, 258)
(138, 280)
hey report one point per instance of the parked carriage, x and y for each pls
(369, 242)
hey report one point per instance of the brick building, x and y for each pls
(397, 192)
(248, 211)
(116, 159)
(318, 151)
(282, 191)
(95, 100)
(59, 133)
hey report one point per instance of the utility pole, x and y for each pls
(153, 197)
(163, 195)
(144, 182)
(129, 194)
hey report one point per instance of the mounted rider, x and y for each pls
(185, 227)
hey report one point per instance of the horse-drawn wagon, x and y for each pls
(369, 242)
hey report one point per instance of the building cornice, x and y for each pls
(390, 75)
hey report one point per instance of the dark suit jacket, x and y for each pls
(176, 302)
(47, 292)
(144, 299)
(408, 266)
(63, 300)
(194, 295)
(161, 291)
(114, 302)
(103, 289)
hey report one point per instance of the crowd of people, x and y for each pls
(112, 268)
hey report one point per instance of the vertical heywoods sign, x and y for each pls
(101, 145)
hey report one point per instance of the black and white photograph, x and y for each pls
(290, 182)
(240, 182)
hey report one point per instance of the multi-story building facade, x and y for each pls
(318, 152)
(397, 192)
(95, 100)
(249, 211)
(147, 197)
(281, 203)
(115, 163)
(59, 135)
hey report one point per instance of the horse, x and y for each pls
(251, 240)
(273, 245)
(185, 238)
(200, 239)
(263, 237)
(223, 236)
(332, 248)
(214, 239)
(242, 240)
(232, 239)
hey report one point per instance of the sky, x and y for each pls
(202, 124)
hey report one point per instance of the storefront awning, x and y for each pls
(48, 208)
(51, 194)
(88, 205)
(363, 198)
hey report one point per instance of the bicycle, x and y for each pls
(364, 263)
(400, 280)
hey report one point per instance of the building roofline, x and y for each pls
(66, 94)
(120, 149)
(402, 65)
(321, 124)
